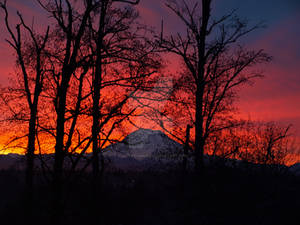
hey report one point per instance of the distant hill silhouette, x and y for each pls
(142, 149)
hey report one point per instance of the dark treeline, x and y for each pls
(227, 196)
(82, 81)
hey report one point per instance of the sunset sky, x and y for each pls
(276, 97)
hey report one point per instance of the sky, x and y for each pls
(276, 97)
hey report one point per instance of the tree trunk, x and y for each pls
(30, 165)
(59, 154)
(186, 149)
(97, 80)
(200, 82)
(96, 96)
(199, 141)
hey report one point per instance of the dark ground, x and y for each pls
(220, 196)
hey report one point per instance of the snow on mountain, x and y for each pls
(145, 143)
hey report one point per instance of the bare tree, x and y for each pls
(265, 143)
(71, 24)
(100, 60)
(121, 45)
(215, 66)
(270, 143)
(31, 59)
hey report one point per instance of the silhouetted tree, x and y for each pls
(100, 60)
(30, 54)
(270, 144)
(71, 24)
(265, 143)
(215, 65)
(123, 63)
(111, 22)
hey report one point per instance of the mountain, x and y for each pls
(145, 143)
(144, 149)
(141, 149)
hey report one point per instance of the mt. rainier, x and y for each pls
(144, 143)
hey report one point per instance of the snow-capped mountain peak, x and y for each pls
(144, 143)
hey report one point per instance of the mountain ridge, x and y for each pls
(142, 148)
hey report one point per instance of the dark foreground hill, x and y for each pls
(218, 196)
